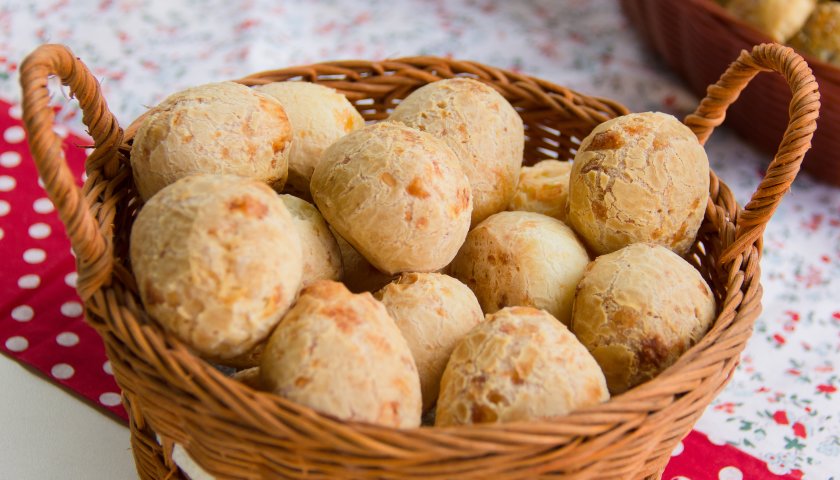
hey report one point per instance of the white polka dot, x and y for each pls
(71, 309)
(15, 112)
(730, 473)
(39, 230)
(29, 281)
(109, 399)
(5, 208)
(107, 367)
(84, 177)
(680, 477)
(17, 344)
(1, 234)
(61, 131)
(14, 134)
(67, 339)
(10, 159)
(34, 255)
(715, 440)
(70, 279)
(23, 313)
(72, 252)
(40, 182)
(43, 205)
(7, 183)
(678, 449)
(62, 371)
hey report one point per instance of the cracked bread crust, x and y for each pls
(342, 354)
(543, 188)
(319, 116)
(779, 19)
(397, 195)
(481, 126)
(520, 364)
(522, 258)
(639, 178)
(219, 128)
(217, 260)
(433, 312)
(638, 309)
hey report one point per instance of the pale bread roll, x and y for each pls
(398, 195)
(638, 309)
(522, 258)
(433, 312)
(779, 19)
(481, 126)
(642, 177)
(321, 255)
(521, 364)
(217, 260)
(319, 116)
(543, 188)
(341, 354)
(219, 128)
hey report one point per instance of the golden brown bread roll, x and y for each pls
(543, 188)
(341, 354)
(642, 177)
(638, 309)
(398, 195)
(779, 19)
(820, 36)
(522, 258)
(433, 312)
(520, 364)
(219, 128)
(481, 126)
(217, 260)
(319, 116)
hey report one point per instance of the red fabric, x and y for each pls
(41, 325)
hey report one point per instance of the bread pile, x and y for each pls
(810, 26)
(413, 268)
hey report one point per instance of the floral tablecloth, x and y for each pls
(782, 404)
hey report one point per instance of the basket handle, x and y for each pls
(92, 242)
(803, 114)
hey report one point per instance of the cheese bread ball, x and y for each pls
(638, 309)
(219, 128)
(359, 275)
(642, 177)
(319, 116)
(433, 312)
(481, 126)
(341, 354)
(321, 255)
(522, 258)
(217, 260)
(543, 188)
(820, 36)
(398, 195)
(779, 19)
(520, 364)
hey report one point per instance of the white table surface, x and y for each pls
(49, 433)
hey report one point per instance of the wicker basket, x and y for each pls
(233, 431)
(698, 39)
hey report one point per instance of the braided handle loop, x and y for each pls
(804, 111)
(91, 241)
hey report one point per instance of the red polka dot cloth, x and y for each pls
(42, 321)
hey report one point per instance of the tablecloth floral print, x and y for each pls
(782, 403)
